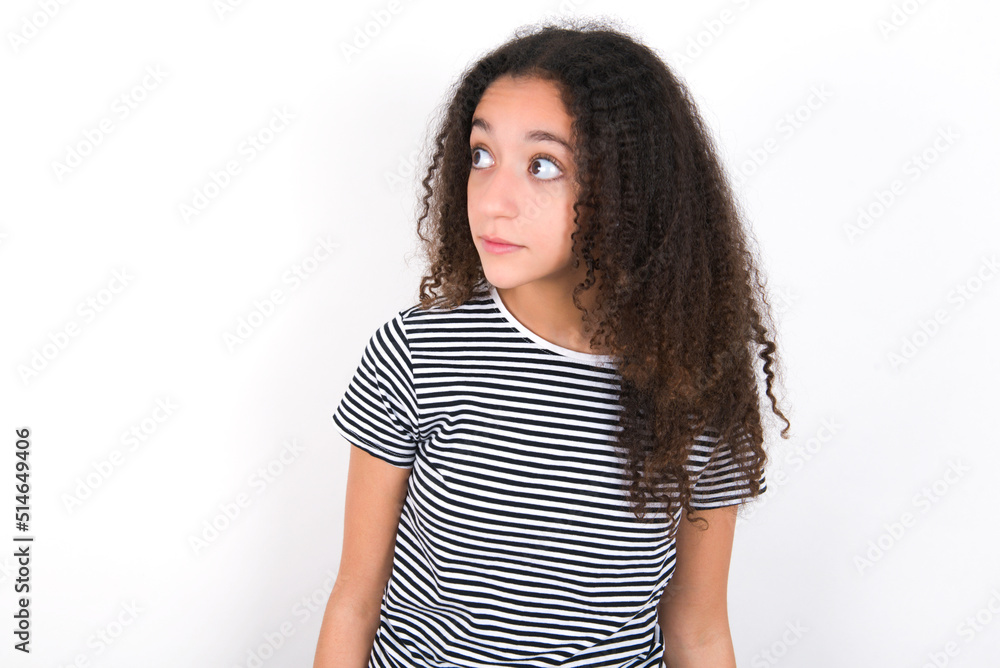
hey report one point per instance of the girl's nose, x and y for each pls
(497, 193)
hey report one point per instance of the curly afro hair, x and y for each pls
(680, 303)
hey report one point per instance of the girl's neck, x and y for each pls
(548, 311)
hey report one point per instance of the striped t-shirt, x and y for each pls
(516, 545)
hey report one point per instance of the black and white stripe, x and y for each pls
(516, 545)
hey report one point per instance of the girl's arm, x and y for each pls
(693, 613)
(374, 500)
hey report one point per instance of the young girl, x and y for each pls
(581, 369)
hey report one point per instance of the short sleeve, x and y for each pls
(378, 412)
(717, 480)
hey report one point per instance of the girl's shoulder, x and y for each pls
(479, 304)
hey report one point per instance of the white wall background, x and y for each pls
(877, 544)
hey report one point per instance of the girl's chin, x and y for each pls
(504, 281)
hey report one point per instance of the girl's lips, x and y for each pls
(499, 248)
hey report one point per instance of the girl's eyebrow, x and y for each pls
(531, 135)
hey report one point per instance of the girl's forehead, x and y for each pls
(544, 94)
(522, 102)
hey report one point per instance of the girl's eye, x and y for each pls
(542, 168)
(477, 162)
(547, 173)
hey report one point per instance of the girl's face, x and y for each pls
(521, 185)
